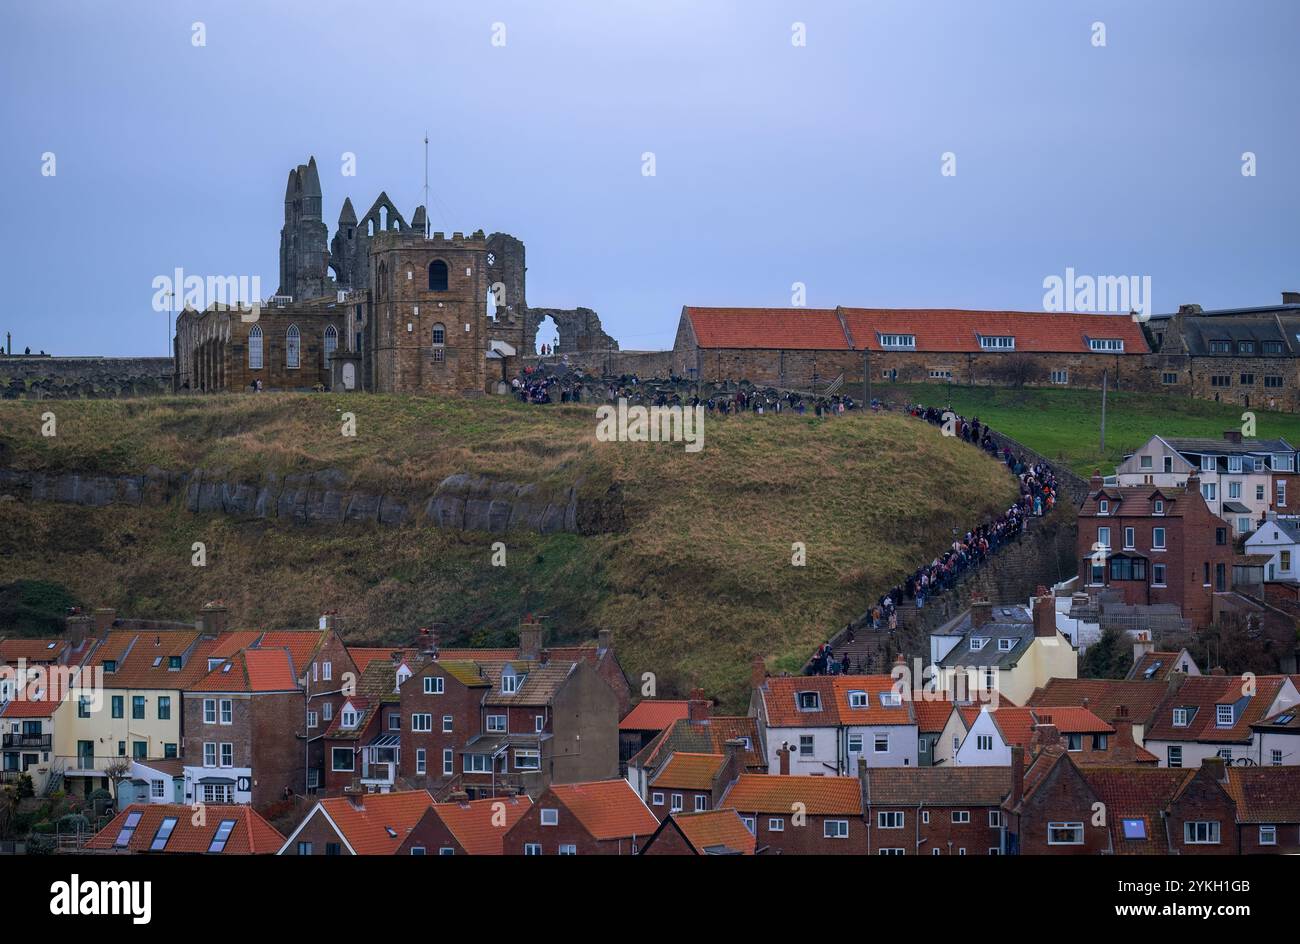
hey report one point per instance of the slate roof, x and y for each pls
(607, 809)
(1008, 622)
(945, 785)
(776, 793)
(251, 834)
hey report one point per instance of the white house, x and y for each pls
(824, 724)
(1216, 716)
(1280, 539)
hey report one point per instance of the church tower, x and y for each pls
(304, 258)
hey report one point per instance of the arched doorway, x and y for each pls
(548, 335)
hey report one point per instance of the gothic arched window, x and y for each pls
(255, 348)
(331, 344)
(292, 347)
(437, 276)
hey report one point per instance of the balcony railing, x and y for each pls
(35, 742)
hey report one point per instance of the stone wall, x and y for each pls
(460, 503)
(40, 378)
(615, 363)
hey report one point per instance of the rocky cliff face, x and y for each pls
(460, 503)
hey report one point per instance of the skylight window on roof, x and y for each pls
(1284, 719)
(1152, 669)
(164, 833)
(1134, 828)
(222, 835)
(128, 829)
(157, 661)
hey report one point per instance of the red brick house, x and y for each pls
(465, 827)
(943, 810)
(362, 744)
(646, 721)
(242, 723)
(1155, 544)
(801, 815)
(693, 783)
(701, 732)
(180, 829)
(1268, 809)
(359, 824)
(717, 832)
(441, 706)
(604, 817)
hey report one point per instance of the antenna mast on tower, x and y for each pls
(426, 185)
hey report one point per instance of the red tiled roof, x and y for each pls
(301, 643)
(252, 670)
(943, 330)
(1202, 694)
(715, 829)
(144, 658)
(362, 656)
(1265, 794)
(781, 699)
(689, 771)
(777, 793)
(607, 809)
(807, 329)
(654, 714)
(38, 701)
(471, 822)
(251, 835)
(931, 716)
(32, 650)
(1103, 697)
(1136, 793)
(382, 821)
(1160, 664)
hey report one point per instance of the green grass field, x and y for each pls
(700, 582)
(1066, 424)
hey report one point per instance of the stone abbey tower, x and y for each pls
(383, 306)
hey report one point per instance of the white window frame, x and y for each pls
(835, 829)
(1059, 826)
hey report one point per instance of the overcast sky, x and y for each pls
(774, 163)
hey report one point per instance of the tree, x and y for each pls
(1110, 657)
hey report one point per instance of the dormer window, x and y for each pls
(1180, 717)
(1103, 507)
(898, 341)
(1234, 463)
(348, 717)
(1159, 506)
(890, 699)
(174, 664)
(1283, 462)
(510, 681)
(1209, 464)
(977, 643)
(213, 663)
(1005, 644)
(110, 665)
(858, 700)
(997, 343)
(1106, 345)
(1223, 716)
(809, 701)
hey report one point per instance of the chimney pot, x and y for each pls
(1291, 298)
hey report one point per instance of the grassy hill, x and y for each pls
(699, 583)
(1066, 424)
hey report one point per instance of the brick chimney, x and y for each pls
(1044, 614)
(1215, 769)
(1017, 776)
(757, 672)
(530, 639)
(1291, 298)
(1142, 644)
(981, 611)
(1123, 741)
(1190, 309)
(1232, 435)
(212, 618)
(78, 628)
(104, 618)
(1096, 482)
(427, 641)
(783, 758)
(697, 709)
(604, 641)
